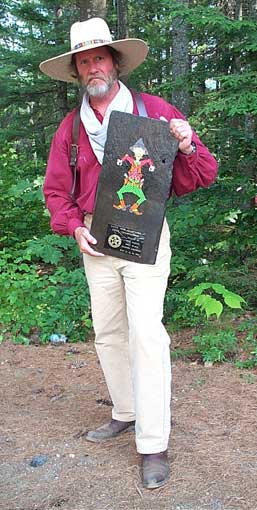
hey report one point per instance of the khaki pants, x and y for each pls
(131, 341)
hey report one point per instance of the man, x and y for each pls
(127, 297)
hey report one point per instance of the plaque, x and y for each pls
(133, 188)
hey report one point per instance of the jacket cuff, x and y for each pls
(73, 224)
(193, 156)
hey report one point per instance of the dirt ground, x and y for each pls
(50, 396)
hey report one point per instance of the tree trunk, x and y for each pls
(238, 9)
(253, 9)
(180, 63)
(91, 8)
(61, 87)
(122, 19)
(231, 8)
(62, 99)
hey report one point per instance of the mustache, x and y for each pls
(94, 76)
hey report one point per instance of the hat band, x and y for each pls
(89, 43)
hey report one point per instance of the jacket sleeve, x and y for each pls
(65, 214)
(190, 172)
(193, 171)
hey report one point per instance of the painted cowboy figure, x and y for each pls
(134, 181)
(126, 297)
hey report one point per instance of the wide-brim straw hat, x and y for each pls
(89, 34)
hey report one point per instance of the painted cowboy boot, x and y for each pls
(134, 209)
(121, 206)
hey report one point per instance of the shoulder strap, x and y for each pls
(74, 148)
(140, 104)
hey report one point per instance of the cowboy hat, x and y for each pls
(89, 34)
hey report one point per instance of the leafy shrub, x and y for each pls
(216, 347)
(209, 304)
(178, 311)
(249, 325)
(55, 301)
(53, 249)
(250, 362)
(214, 236)
(22, 211)
(250, 343)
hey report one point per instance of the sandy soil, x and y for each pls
(50, 396)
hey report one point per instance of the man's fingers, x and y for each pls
(90, 238)
(180, 129)
(85, 247)
(90, 251)
(83, 238)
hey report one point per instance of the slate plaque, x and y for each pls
(134, 186)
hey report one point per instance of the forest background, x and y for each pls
(203, 59)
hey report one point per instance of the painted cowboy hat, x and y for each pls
(89, 34)
(139, 144)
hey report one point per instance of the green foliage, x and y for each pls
(52, 249)
(250, 362)
(212, 242)
(214, 231)
(21, 340)
(250, 343)
(182, 353)
(216, 347)
(22, 212)
(31, 32)
(178, 311)
(50, 301)
(209, 304)
(249, 326)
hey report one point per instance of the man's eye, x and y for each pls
(99, 58)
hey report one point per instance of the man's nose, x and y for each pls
(93, 67)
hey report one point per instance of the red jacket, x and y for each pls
(189, 172)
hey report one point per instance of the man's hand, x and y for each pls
(83, 238)
(182, 131)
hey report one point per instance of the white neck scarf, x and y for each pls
(97, 132)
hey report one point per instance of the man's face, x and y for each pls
(97, 72)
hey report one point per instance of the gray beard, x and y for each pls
(98, 90)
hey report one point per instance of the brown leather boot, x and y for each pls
(109, 430)
(155, 469)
